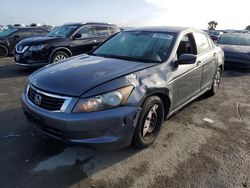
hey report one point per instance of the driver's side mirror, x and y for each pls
(186, 59)
(77, 36)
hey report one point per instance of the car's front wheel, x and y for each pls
(59, 56)
(149, 122)
(4, 52)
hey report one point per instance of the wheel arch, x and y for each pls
(64, 49)
(7, 47)
(164, 95)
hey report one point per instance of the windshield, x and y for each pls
(62, 31)
(7, 32)
(138, 46)
(243, 39)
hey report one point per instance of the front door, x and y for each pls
(85, 43)
(187, 78)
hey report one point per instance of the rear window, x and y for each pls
(111, 30)
(101, 31)
(235, 39)
(201, 42)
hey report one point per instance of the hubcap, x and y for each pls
(59, 57)
(150, 122)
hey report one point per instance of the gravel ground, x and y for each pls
(189, 152)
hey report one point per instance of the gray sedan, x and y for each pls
(123, 91)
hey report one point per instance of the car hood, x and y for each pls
(77, 75)
(235, 49)
(39, 40)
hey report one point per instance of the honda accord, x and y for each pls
(123, 91)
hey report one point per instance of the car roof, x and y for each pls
(83, 23)
(237, 34)
(171, 29)
(27, 28)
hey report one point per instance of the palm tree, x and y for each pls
(212, 25)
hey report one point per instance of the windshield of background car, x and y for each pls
(62, 31)
(138, 46)
(7, 32)
(235, 39)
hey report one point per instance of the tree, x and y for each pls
(248, 27)
(212, 25)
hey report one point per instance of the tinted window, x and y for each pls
(138, 46)
(237, 39)
(86, 32)
(201, 42)
(101, 31)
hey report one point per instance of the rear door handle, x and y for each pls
(94, 41)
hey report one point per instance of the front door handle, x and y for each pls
(198, 63)
(94, 41)
(215, 54)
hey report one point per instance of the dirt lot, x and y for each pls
(188, 153)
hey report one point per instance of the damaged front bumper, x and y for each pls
(108, 129)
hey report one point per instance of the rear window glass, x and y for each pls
(101, 31)
(235, 39)
(201, 42)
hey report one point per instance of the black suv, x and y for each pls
(11, 36)
(61, 43)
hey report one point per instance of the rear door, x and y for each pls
(206, 57)
(101, 33)
(187, 78)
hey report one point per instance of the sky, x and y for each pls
(230, 14)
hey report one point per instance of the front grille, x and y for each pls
(45, 102)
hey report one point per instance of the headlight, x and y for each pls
(105, 101)
(37, 47)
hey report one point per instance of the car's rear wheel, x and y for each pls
(149, 122)
(59, 56)
(216, 83)
(4, 52)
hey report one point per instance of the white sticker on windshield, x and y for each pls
(162, 36)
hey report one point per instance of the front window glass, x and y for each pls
(243, 39)
(86, 32)
(62, 31)
(186, 46)
(7, 32)
(137, 45)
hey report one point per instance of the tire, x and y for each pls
(4, 52)
(59, 56)
(216, 83)
(149, 122)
